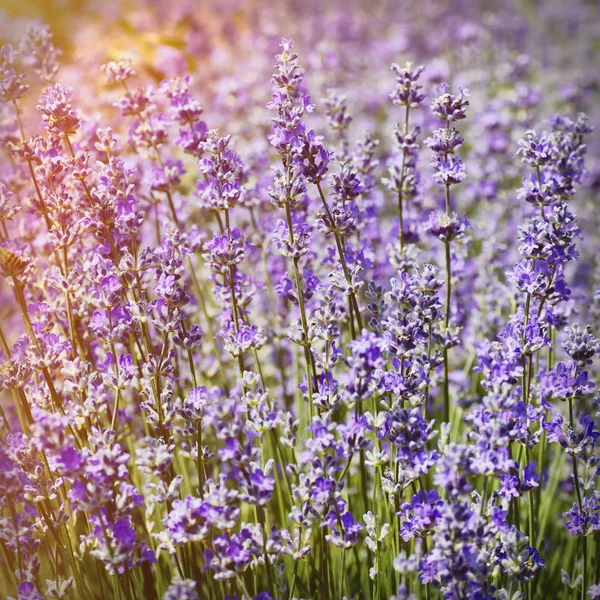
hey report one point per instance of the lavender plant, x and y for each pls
(235, 359)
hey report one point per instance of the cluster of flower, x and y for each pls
(255, 373)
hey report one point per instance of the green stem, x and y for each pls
(303, 319)
(580, 503)
(401, 186)
(338, 243)
(343, 574)
(446, 323)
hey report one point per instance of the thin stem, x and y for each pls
(401, 185)
(580, 504)
(296, 562)
(343, 574)
(199, 461)
(303, 319)
(446, 323)
(338, 243)
(234, 307)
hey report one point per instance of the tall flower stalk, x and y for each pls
(402, 179)
(288, 190)
(449, 170)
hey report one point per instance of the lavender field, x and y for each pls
(299, 300)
